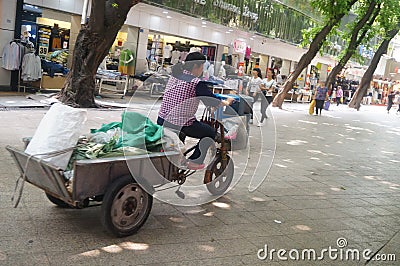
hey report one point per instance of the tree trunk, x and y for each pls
(367, 77)
(93, 43)
(305, 60)
(355, 40)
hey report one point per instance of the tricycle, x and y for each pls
(125, 202)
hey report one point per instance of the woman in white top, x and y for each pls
(254, 87)
(267, 88)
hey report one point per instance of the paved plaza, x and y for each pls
(334, 184)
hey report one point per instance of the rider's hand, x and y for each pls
(228, 101)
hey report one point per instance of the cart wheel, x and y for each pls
(220, 178)
(57, 202)
(126, 207)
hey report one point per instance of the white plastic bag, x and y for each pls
(59, 129)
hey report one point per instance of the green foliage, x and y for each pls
(387, 19)
(328, 11)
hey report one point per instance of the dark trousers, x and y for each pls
(197, 130)
(319, 106)
(265, 100)
(390, 104)
(338, 100)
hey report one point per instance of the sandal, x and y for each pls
(195, 166)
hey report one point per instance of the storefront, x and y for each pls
(48, 31)
(165, 50)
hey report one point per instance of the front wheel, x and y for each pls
(126, 207)
(221, 177)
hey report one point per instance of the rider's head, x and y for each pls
(193, 63)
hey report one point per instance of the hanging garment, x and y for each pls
(167, 51)
(183, 56)
(175, 57)
(248, 53)
(31, 68)
(11, 57)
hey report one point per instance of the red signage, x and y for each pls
(239, 46)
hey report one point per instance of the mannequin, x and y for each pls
(175, 57)
(206, 65)
(211, 70)
(167, 53)
(56, 38)
(126, 61)
(222, 72)
(25, 34)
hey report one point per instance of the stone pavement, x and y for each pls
(333, 176)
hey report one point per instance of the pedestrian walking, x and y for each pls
(267, 88)
(339, 95)
(254, 88)
(391, 96)
(320, 97)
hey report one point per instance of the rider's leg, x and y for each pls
(206, 134)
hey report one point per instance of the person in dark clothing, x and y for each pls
(398, 101)
(320, 96)
(391, 96)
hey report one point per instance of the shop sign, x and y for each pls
(231, 7)
(239, 46)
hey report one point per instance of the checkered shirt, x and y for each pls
(180, 104)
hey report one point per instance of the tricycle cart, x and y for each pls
(124, 185)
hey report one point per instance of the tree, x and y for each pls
(389, 26)
(367, 77)
(332, 13)
(357, 36)
(93, 43)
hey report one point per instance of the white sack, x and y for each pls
(59, 129)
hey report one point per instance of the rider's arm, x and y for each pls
(208, 98)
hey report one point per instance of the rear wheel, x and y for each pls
(221, 177)
(126, 207)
